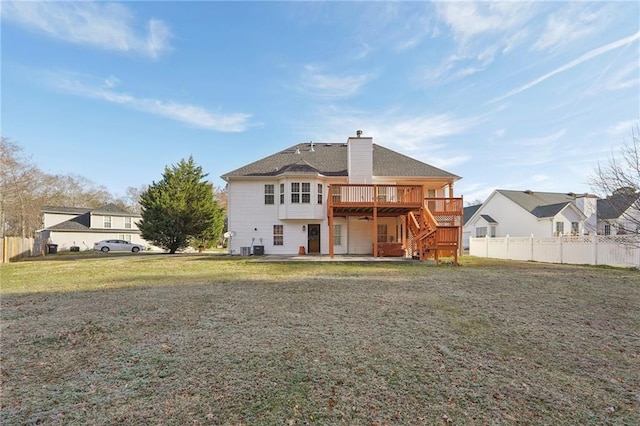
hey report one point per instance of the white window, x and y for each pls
(107, 221)
(306, 192)
(481, 231)
(295, 192)
(382, 233)
(559, 228)
(493, 232)
(282, 193)
(607, 229)
(337, 235)
(269, 194)
(319, 193)
(278, 235)
(575, 228)
(125, 237)
(127, 223)
(301, 192)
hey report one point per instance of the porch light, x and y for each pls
(304, 228)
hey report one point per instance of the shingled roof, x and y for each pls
(614, 206)
(330, 159)
(78, 223)
(469, 211)
(540, 204)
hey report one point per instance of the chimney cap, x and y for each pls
(358, 133)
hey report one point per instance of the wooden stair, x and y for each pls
(430, 239)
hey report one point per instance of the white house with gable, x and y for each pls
(526, 213)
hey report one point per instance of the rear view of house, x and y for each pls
(343, 198)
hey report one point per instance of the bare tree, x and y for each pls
(475, 202)
(18, 178)
(25, 189)
(617, 182)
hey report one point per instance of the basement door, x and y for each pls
(313, 235)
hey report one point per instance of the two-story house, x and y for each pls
(342, 198)
(82, 227)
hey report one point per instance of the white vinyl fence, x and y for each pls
(582, 250)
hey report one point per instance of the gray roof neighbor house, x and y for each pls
(540, 204)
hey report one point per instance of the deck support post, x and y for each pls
(406, 236)
(375, 232)
(331, 232)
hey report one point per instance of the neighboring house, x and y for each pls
(619, 214)
(82, 227)
(526, 213)
(340, 198)
(467, 213)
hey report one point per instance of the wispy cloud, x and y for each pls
(587, 56)
(102, 89)
(424, 137)
(332, 86)
(471, 19)
(622, 78)
(531, 151)
(108, 26)
(543, 141)
(570, 24)
(481, 31)
(623, 128)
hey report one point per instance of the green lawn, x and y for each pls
(158, 339)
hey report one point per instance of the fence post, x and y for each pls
(594, 248)
(507, 242)
(486, 246)
(531, 251)
(561, 248)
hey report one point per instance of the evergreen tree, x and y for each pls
(180, 208)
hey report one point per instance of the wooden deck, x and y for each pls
(423, 215)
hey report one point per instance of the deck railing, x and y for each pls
(365, 195)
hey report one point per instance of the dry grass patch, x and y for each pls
(208, 340)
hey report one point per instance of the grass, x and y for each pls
(215, 340)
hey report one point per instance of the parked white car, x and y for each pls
(106, 246)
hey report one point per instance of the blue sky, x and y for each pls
(513, 95)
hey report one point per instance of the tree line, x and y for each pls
(25, 189)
